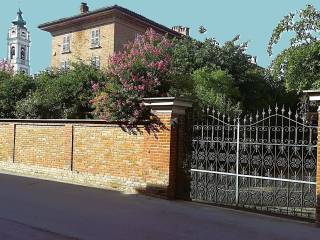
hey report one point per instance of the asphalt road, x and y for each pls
(36, 209)
(10, 230)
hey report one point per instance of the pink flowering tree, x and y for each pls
(5, 66)
(141, 70)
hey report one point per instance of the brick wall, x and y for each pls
(41, 145)
(6, 142)
(92, 153)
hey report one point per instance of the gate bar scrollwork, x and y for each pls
(267, 164)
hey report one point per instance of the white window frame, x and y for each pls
(95, 62)
(65, 64)
(13, 53)
(95, 38)
(23, 34)
(66, 44)
(137, 35)
(25, 52)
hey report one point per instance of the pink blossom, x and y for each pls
(140, 69)
(5, 66)
(95, 87)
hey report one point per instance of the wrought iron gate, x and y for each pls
(265, 162)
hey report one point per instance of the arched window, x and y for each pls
(23, 53)
(12, 52)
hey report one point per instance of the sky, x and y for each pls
(254, 20)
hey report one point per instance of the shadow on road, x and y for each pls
(37, 207)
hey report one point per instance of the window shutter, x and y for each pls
(92, 38)
(66, 44)
(95, 38)
(98, 37)
(97, 62)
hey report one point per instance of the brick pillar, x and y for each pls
(314, 96)
(318, 174)
(165, 146)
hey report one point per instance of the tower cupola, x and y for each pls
(19, 21)
(19, 45)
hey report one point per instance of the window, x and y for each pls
(23, 53)
(65, 64)
(12, 52)
(95, 61)
(23, 34)
(137, 35)
(66, 44)
(95, 38)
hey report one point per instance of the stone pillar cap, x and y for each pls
(314, 95)
(168, 104)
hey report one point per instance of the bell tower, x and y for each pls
(19, 45)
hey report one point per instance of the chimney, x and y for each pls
(84, 8)
(183, 30)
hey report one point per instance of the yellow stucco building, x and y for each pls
(92, 36)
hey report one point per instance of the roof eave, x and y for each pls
(57, 24)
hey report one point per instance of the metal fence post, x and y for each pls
(237, 162)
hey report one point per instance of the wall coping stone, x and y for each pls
(314, 95)
(54, 121)
(62, 122)
(168, 104)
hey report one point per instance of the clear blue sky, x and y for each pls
(254, 20)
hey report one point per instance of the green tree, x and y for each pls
(297, 68)
(304, 24)
(189, 55)
(61, 94)
(13, 88)
(216, 88)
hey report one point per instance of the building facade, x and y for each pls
(19, 45)
(92, 36)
